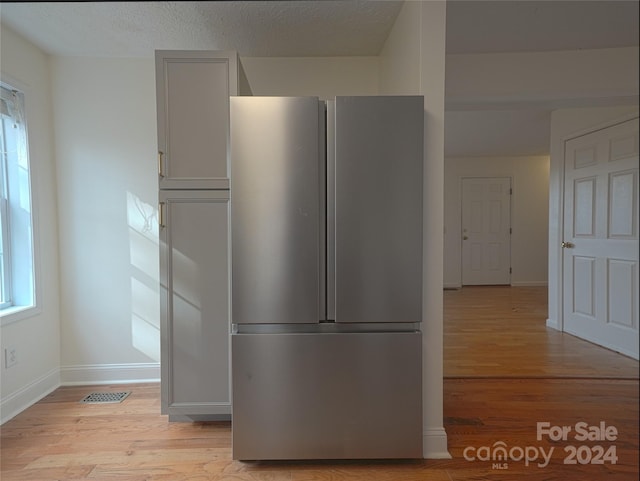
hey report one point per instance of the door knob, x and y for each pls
(567, 245)
(465, 237)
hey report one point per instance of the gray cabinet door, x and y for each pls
(378, 209)
(193, 89)
(194, 270)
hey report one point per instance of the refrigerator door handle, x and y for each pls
(331, 210)
(322, 203)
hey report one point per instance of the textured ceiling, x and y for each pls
(255, 28)
(313, 28)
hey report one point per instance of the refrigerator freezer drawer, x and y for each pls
(327, 396)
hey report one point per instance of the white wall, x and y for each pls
(324, 77)
(413, 62)
(529, 214)
(106, 152)
(565, 77)
(566, 123)
(400, 55)
(36, 339)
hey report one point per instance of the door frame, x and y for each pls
(559, 272)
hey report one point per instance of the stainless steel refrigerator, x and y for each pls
(326, 222)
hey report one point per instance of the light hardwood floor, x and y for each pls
(497, 386)
(501, 331)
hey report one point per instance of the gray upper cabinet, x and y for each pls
(193, 89)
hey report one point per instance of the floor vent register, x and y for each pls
(105, 397)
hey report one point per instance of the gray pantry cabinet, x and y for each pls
(192, 90)
(194, 296)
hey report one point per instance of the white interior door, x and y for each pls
(600, 254)
(486, 231)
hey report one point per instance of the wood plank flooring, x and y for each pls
(501, 331)
(485, 404)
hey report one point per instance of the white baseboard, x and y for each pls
(110, 374)
(434, 444)
(529, 284)
(16, 402)
(513, 284)
(553, 324)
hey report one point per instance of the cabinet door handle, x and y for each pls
(160, 170)
(161, 215)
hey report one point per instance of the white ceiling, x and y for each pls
(544, 25)
(338, 28)
(313, 28)
(253, 28)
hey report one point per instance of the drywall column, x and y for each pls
(432, 73)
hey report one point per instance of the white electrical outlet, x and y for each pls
(10, 357)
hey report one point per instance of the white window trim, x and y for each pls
(19, 313)
(6, 246)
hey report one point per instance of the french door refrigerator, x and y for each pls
(326, 219)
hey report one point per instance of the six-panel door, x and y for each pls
(600, 244)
